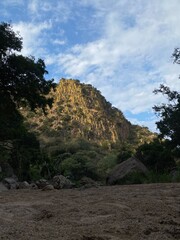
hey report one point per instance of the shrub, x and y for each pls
(73, 168)
(105, 165)
(153, 177)
(157, 156)
(132, 178)
(125, 151)
(35, 172)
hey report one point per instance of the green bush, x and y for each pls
(133, 178)
(125, 151)
(105, 165)
(153, 177)
(78, 165)
(140, 178)
(35, 172)
(74, 168)
(156, 156)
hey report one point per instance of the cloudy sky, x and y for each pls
(122, 47)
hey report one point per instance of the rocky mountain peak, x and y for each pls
(80, 111)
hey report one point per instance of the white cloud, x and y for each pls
(58, 11)
(131, 57)
(33, 6)
(59, 42)
(33, 38)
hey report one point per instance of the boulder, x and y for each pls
(125, 168)
(33, 186)
(3, 187)
(24, 185)
(87, 182)
(42, 183)
(60, 182)
(10, 183)
(48, 187)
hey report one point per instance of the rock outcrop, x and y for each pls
(125, 168)
(80, 111)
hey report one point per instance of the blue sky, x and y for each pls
(122, 47)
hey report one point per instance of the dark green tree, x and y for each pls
(21, 78)
(169, 113)
(156, 156)
(22, 83)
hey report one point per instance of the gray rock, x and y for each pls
(33, 186)
(42, 183)
(175, 175)
(10, 183)
(48, 187)
(87, 182)
(60, 182)
(121, 170)
(3, 187)
(24, 185)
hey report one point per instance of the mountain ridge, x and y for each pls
(80, 111)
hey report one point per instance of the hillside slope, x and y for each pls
(80, 111)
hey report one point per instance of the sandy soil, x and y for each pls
(119, 212)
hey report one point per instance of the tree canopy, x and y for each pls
(21, 78)
(169, 124)
(22, 81)
(169, 113)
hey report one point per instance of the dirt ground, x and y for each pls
(104, 213)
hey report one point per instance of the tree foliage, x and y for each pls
(169, 113)
(159, 155)
(156, 156)
(21, 78)
(22, 83)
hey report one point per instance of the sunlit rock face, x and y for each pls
(80, 111)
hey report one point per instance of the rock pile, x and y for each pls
(58, 182)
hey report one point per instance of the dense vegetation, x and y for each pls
(22, 83)
(71, 129)
(163, 154)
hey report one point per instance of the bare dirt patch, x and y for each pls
(104, 213)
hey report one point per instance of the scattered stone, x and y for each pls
(10, 183)
(3, 187)
(24, 185)
(48, 187)
(87, 182)
(44, 214)
(42, 183)
(33, 186)
(60, 182)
